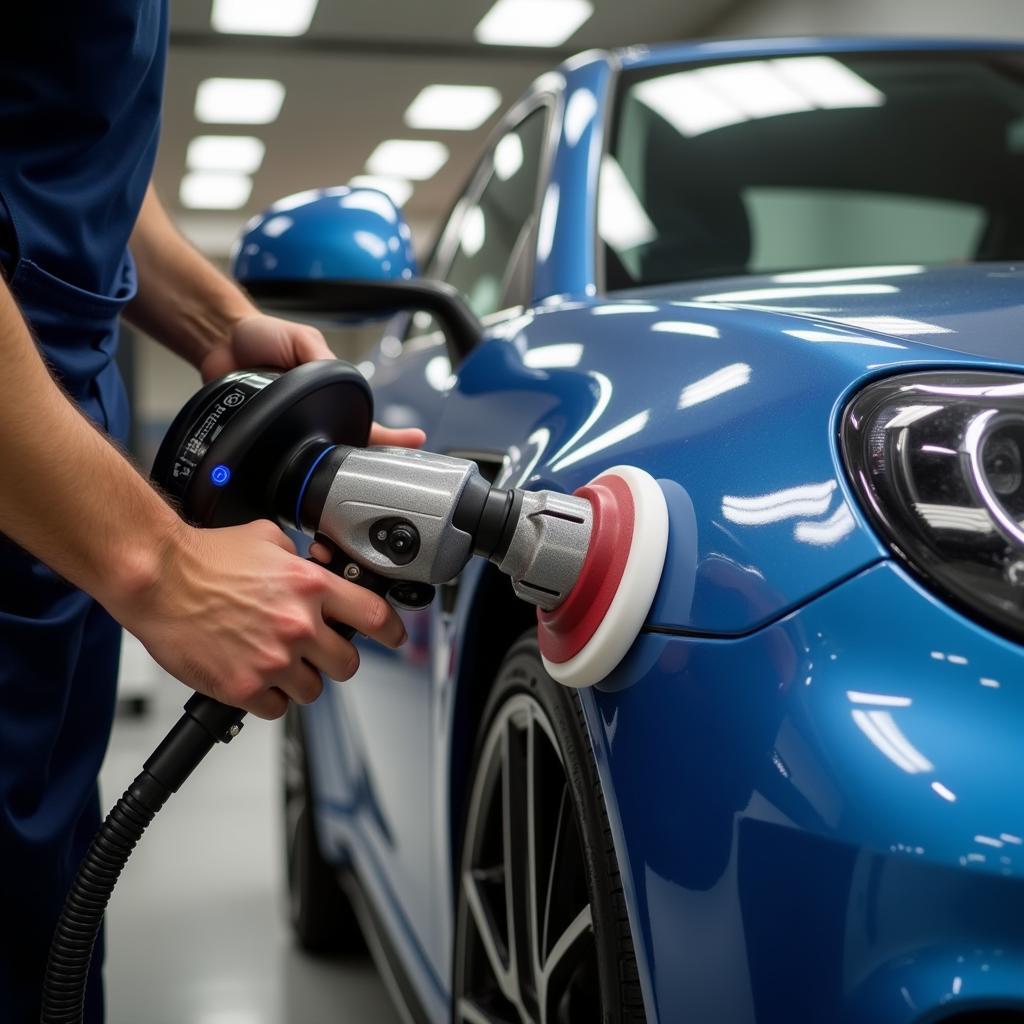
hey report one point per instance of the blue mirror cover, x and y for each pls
(336, 233)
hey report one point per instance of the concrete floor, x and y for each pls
(196, 929)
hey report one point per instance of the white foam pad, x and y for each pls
(632, 601)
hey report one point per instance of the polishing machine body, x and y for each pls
(287, 446)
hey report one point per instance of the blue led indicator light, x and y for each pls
(220, 475)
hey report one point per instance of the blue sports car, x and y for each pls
(779, 276)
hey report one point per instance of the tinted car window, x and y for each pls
(495, 232)
(804, 162)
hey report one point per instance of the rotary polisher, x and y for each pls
(290, 447)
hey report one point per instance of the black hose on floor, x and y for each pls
(204, 723)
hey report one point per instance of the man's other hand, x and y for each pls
(259, 340)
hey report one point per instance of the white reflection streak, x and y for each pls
(714, 384)
(884, 699)
(847, 274)
(686, 327)
(944, 791)
(622, 221)
(551, 356)
(828, 82)
(615, 308)
(705, 99)
(768, 294)
(604, 396)
(884, 733)
(627, 428)
(474, 231)
(579, 112)
(893, 325)
(370, 243)
(843, 339)
(539, 440)
(911, 414)
(508, 156)
(548, 220)
(805, 500)
(277, 226)
(438, 372)
(955, 517)
(828, 531)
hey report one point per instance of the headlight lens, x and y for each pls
(938, 459)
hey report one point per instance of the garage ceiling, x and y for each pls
(350, 79)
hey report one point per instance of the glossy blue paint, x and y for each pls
(736, 404)
(808, 759)
(865, 824)
(329, 233)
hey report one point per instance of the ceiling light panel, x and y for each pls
(532, 22)
(214, 190)
(397, 188)
(417, 159)
(239, 100)
(263, 17)
(452, 107)
(242, 154)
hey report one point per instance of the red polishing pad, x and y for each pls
(590, 632)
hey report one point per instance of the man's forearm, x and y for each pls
(183, 301)
(67, 494)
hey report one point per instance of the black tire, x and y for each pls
(533, 762)
(320, 914)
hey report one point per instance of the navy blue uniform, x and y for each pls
(80, 94)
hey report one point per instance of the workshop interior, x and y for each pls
(710, 564)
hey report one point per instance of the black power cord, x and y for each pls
(204, 723)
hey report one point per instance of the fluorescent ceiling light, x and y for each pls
(417, 159)
(214, 190)
(263, 17)
(532, 22)
(239, 100)
(240, 153)
(452, 107)
(397, 188)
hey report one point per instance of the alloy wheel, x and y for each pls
(526, 951)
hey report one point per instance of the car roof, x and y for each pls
(714, 49)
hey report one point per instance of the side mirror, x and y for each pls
(345, 254)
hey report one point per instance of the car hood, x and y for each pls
(975, 310)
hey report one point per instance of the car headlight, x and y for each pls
(938, 460)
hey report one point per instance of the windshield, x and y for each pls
(813, 162)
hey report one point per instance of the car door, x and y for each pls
(391, 712)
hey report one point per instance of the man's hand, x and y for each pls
(236, 615)
(261, 340)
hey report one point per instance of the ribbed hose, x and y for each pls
(204, 723)
(75, 935)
